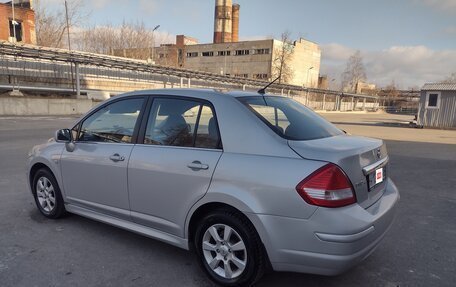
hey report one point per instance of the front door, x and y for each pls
(171, 169)
(95, 172)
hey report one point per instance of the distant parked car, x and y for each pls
(245, 180)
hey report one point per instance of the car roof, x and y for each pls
(190, 92)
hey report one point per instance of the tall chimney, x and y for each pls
(235, 23)
(222, 21)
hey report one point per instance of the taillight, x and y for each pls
(328, 187)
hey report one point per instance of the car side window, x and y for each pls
(274, 116)
(180, 122)
(172, 122)
(207, 135)
(112, 123)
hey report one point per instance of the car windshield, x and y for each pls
(290, 119)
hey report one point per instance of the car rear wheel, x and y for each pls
(229, 249)
(46, 192)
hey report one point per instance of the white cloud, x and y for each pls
(336, 52)
(448, 6)
(407, 66)
(149, 6)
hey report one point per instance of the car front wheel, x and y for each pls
(46, 192)
(229, 249)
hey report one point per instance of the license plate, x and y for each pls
(379, 175)
(376, 177)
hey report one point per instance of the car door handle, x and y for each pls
(116, 157)
(197, 165)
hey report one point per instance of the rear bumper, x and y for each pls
(331, 240)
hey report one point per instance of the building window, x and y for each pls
(241, 75)
(15, 28)
(260, 76)
(208, 54)
(192, 54)
(262, 51)
(242, 52)
(433, 100)
(224, 53)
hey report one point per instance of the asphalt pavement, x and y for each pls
(419, 250)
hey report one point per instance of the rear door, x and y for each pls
(171, 167)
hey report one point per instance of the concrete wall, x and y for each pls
(24, 106)
(442, 117)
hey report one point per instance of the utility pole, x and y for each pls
(67, 25)
(13, 22)
(69, 44)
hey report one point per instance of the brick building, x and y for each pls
(23, 24)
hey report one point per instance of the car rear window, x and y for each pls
(290, 119)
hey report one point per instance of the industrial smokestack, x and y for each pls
(235, 23)
(222, 21)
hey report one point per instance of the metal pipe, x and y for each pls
(78, 84)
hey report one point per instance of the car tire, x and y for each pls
(237, 256)
(47, 194)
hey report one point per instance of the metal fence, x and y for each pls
(26, 67)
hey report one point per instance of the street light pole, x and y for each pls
(307, 80)
(226, 53)
(307, 85)
(69, 49)
(153, 43)
(67, 25)
(13, 22)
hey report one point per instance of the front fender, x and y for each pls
(48, 154)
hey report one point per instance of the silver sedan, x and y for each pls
(247, 181)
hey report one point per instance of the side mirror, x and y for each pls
(63, 136)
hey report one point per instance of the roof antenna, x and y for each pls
(263, 90)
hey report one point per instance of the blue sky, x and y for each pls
(408, 41)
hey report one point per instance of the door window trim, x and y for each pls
(109, 102)
(146, 115)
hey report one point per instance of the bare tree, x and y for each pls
(282, 56)
(132, 40)
(391, 94)
(51, 26)
(354, 72)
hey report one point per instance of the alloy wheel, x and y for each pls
(45, 194)
(224, 251)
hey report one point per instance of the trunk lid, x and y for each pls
(359, 157)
